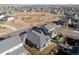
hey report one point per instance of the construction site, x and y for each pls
(39, 30)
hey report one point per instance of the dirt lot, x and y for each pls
(4, 29)
(16, 23)
(29, 19)
(32, 18)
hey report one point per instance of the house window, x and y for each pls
(31, 44)
(44, 45)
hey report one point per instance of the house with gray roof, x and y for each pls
(35, 39)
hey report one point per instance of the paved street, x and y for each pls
(12, 46)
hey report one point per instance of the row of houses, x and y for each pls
(38, 36)
(24, 8)
(38, 8)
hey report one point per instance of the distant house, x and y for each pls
(76, 16)
(69, 22)
(10, 18)
(3, 12)
(1, 16)
(61, 22)
(47, 28)
(73, 23)
(7, 18)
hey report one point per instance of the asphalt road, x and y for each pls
(12, 46)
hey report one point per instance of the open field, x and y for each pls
(33, 18)
(28, 19)
(5, 29)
